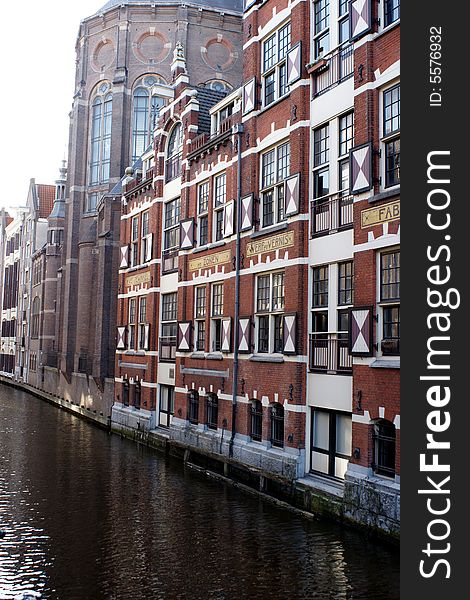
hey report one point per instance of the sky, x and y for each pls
(37, 67)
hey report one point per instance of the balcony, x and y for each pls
(204, 142)
(329, 353)
(167, 349)
(333, 69)
(169, 261)
(331, 214)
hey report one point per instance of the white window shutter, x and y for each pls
(124, 257)
(249, 96)
(121, 338)
(147, 337)
(226, 335)
(187, 234)
(294, 64)
(229, 211)
(360, 331)
(360, 168)
(149, 248)
(292, 194)
(360, 18)
(247, 213)
(289, 332)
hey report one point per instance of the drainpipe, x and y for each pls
(238, 130)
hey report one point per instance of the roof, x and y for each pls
(230, 5)
(46, 197)
(207, 98)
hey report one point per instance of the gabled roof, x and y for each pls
(46, 197)
(231, 5)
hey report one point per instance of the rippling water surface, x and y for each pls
(89, 516)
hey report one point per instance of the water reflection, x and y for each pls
(91, 516)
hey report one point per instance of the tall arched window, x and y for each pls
(35, 318)
(174, 152)
(100, 151)
(146, 107)
(384, 436)
(277, 425)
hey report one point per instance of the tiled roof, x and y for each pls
(207, 98)
(46, 196)
(232, 5)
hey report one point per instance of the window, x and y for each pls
(171, 225)
(200, 314)
(91, 202)
(343, 23)
(390, 276)
(217, 313)
(125, 392)
(320, 287)
(220, 196)
(193, 407)
(137, 395)
(275, 168)
(145, 112)
(321, 20)
(346, 283)
(167, 404)
(100, 151)
(142, 322)
(277, 425)
(146, 250)
(37, 268)
(33, 361)
(345, 142)
(321, 156)
(169, 325)
(274, 77)
(35, 317)
(203, 213)
(256, 420)
(390, 298)
(331, 442)
(391, 138)
(135, 241)
(270, 299)
(174, 153)
(132, 315)
(212, 411)
(391, 11)
(221, 122)
(384, 437)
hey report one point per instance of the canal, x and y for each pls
(90, 516)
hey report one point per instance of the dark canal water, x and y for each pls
(90, 516)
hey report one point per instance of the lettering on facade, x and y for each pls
(205, 262)
(138, 279)
(381, 214)
(285, 240)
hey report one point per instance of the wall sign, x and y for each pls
(211, 260)
(380, 214)
(276, 242)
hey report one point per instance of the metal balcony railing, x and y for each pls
(329, 353)
(331, 214)
(333, 69)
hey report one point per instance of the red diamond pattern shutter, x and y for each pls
(249, 96)
(124, 257)
(360, 160)
(360, 334)
(360, 21)
(247, 213)
(292, 194)
(294, 64)
(244, 335)
(289, 334)
(184, 336)
(121, 338)
(187, 234)
(226, 332)
(228, 218)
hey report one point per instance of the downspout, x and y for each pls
(238, 130)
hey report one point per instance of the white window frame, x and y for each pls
(132, 338)
(382, 304)
(200, 318)
(142, 319)
(278, 66)
(271, 313)
(204, 214)
(276, 185)
(218, 208)
(134, 241)
(385, 139)
(216, 317)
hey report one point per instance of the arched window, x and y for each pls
(256, 420)
(193, 407)
(277, 425)
(35, 318)
(219, 85)
(212, 411)
(174, 152)
(100, 150)
(146, 107)
(384, 437)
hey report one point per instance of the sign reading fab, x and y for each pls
(381, 214)
(285, 240)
